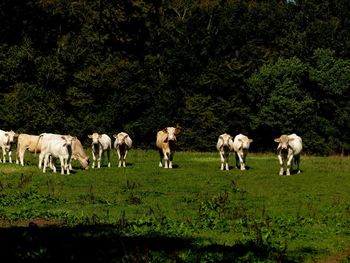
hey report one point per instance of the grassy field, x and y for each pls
(192, 213)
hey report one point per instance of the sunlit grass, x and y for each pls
(312, 209)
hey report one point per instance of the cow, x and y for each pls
(100, 143)
(165, 143)
(122, 144)
(241, 145)
(44, 139)
(58, 148)
(79, 154)
(26, 142)
(32, 144)
(224, 145)
(7, 138)
(289, 148)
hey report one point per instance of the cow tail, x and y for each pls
(36, 146)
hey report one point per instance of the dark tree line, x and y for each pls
(261, 68)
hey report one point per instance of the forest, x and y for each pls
(257, 67)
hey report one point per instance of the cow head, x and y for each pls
(95, 138)
(68, 140)
(120, 138)
(172, 132)
(245, 143)
(84, 163)
(225, 138)
(10, 135)
(283, 142)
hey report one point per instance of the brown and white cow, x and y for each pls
(26, 142)
(224, 145)
(122, 144)
(241, 145)
(7, 138)
(100, 143)
(165, 142)
(32, 144)
(289, 148)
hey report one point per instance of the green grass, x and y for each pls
(302, 217)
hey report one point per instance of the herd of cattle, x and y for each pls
(66, 147)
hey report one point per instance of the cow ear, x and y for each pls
(250, 140)
(277, 140)
(177, 131)
(115, 136)
(90, 136)
(16, 135)
(165, 130)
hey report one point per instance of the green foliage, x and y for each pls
(254, 67)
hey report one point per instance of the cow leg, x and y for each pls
(46, 160)
(41, 158)
(20, 156)
(100, 153)
(124, 158)
(166, 159)
(226, 155)
(66, 164)
(119, 158)
(297, 161)
(10, 155)
(4, 154)
(108, 157)
(281, 164)
(17, 155)
(241, 160)
(63, 165)
(93, 159)
(161, 158)
(222, 160)
(170, 160)
(289, 163)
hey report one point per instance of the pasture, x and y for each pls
(192, 213)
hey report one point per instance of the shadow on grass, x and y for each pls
(101, 243)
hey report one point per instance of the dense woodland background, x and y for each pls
(261, 68)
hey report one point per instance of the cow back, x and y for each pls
(161, 139)
(296, 143)
(26, 141)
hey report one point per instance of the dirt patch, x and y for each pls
(340, 257)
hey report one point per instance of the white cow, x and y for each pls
(32, 144)
(100, 143)
(241, 145)
(224, 146)
(58, 148)
(289, 148)
(122, 144)
(41, 146)
(6, 140)
(165, 143)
